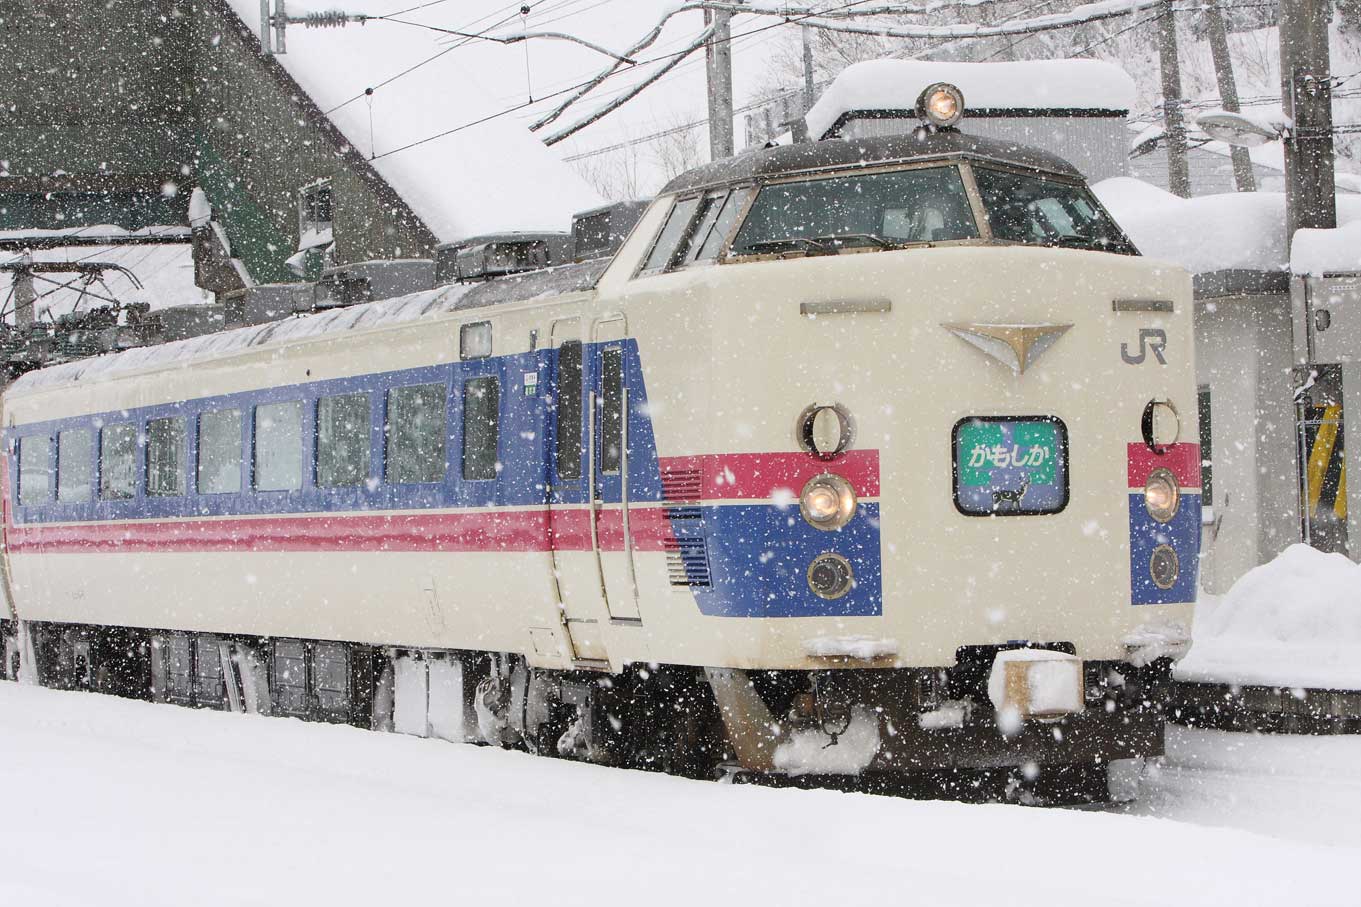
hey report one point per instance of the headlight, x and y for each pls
(941, 105)
(828, 501)
(1161, 495)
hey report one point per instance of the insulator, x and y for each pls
(331, 18)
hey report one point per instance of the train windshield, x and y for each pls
(871, 210)
(1046, 212)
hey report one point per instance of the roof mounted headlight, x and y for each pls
(941, 105)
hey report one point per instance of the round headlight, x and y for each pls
(828, 501)
(825, 430)
(941, 105)
(1162, 497)
(1164, 567)
(830, 576)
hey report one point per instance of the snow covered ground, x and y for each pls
(123, 803)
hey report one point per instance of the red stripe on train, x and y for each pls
(1182, 459)
(754, 476)
(518, 530)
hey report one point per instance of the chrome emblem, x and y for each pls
(1017, 346)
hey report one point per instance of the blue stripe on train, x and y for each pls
(759, 556)
(1182, 532)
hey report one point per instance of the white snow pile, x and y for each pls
(862, 648)
(1319, 252)
(1029, 84)
(1053, 681)
(1210, 232)
(1295, 622)
(812, 751)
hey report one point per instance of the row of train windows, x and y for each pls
(414, 434)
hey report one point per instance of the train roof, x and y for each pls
(786, 160)
(427, 303)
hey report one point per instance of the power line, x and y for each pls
(594, 79)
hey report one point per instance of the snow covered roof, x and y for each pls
(1242, 230)
(1029, 85)
(415, 306)
(1319, 252)
(492, 177)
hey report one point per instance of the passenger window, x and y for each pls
(165, 457)
(611, 409)
(75, 465)
(219, 452)
(278, 446)
(415, 434)
(118, 462)
(35, 470)
(569, 410)
(673, 231)
(342, 440)
(481, 427)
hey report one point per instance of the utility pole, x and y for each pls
(800, 126)
(1178, 175)
(1243, 177)
(718, 66)
(1307, 93)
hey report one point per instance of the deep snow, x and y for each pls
(1295, 621)
(125, 803)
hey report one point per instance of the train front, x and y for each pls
(945, 509)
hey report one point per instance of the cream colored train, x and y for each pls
(859, 463)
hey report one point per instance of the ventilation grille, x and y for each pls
(681, 484)
(687, 562)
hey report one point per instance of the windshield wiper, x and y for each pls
(840, 239)
(781, 245)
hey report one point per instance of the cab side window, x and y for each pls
(481, 427)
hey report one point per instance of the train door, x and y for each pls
(575, 570)
(611, 536)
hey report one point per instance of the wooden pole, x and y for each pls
(1178, 174)
(1243, 177)
(1306, 89)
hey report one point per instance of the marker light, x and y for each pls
(1164, 567)
(941, 104)
(830, 576)
(828, 501)
(1161, 495)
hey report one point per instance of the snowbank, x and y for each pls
(1210, 232)
(1293, 622)
(1030, 84)
(118, 803)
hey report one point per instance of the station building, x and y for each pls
(113, 111)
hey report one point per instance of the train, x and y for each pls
(859, 462)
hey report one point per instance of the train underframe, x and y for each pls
(937, 734)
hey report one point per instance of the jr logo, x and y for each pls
(1154, 339)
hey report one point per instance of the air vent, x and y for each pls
(681, 484)
(687, 562)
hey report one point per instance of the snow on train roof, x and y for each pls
(1088, 85)
(490, 178)
(426, 304)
